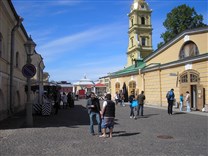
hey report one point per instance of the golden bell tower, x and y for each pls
(140, 32)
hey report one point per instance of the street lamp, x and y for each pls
(30, 49)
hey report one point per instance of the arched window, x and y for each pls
(117, 87)
(17, 59)
(132, 86)
(142, 20)
(189, 76)
(188, 49)
(143, 41)
(193, 77)
(132, 42)
(184, 78)
(132, 22)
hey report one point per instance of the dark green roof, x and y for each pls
(129, 70)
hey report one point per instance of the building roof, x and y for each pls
(84, 82)
(176, 39)
(17, 17)
(133, 69)
(141, 63)
(97, 85)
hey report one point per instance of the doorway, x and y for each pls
(189, 81)
(194, 97)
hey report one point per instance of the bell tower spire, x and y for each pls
(140, 32)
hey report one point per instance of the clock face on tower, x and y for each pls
(136, 5)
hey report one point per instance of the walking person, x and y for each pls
(116, 97)
(181, 102)
(120, 97)
(122, 100)
(108, 116)
(64, 100)
(57, 100)
(131, 98)
(140, 99)
(93, 106)
(170, 98)
(188, 102)
(69, 98)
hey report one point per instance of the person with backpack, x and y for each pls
(181, 102)
(131, 99)
(170, 98)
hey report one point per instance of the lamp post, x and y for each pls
(29, 48)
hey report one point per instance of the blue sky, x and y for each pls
(89, 37)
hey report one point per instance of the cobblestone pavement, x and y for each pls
(156, 133)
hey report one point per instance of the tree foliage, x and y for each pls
(179, 19)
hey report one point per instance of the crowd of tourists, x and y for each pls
(66, 99)
(105, 114)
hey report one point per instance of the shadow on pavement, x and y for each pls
(147, 115)
(13, 122)
(72, 117)
(178, 113)
(123, 133)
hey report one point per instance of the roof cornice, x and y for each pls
(184, 61)
(17, 17)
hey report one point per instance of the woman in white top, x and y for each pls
(188, 101)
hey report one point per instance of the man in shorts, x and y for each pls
(108, 116)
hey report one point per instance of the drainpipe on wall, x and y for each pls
(160, 87)
(19, 22)
(40, 99)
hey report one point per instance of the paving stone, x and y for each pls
(68, 134)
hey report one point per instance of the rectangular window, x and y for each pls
(142, 20)
(132, 22)
(143, 41)
(132, 42)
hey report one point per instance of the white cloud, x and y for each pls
(65, 2)
(93, 69)
(73, 74)
(69, 43)
(42, 7)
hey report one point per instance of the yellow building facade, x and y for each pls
(13, 57)
(181, 64)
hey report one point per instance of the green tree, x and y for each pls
(179, 19)
(160, 44)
